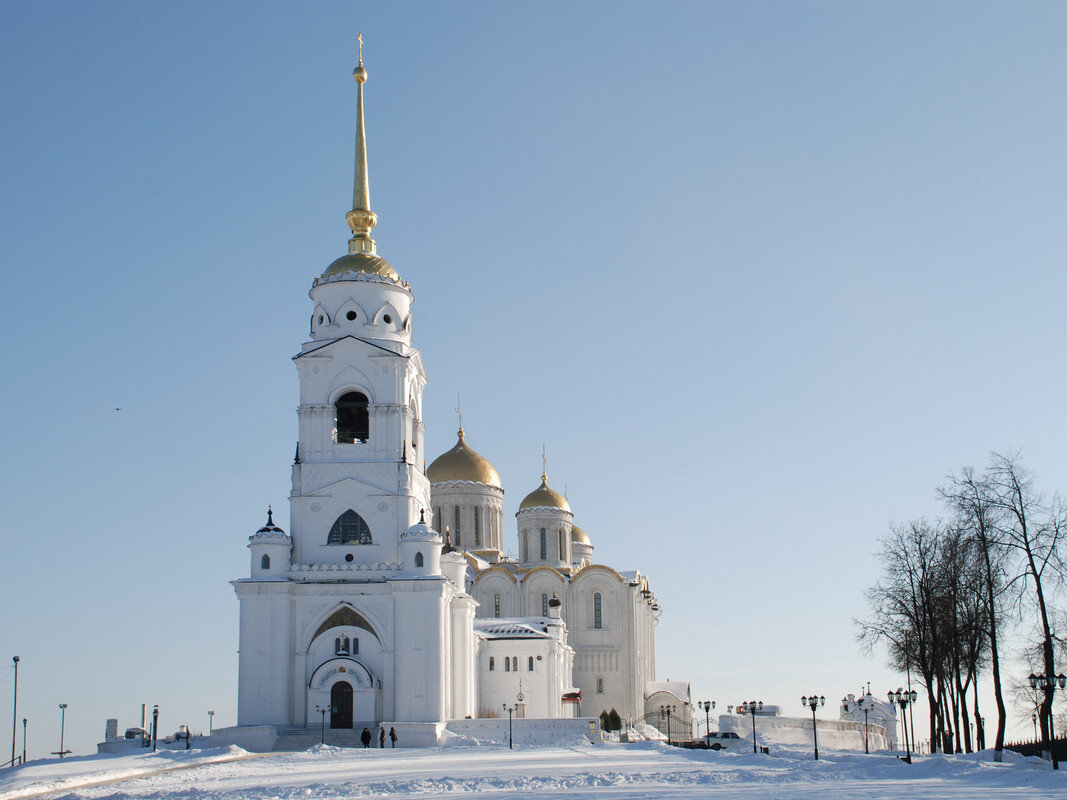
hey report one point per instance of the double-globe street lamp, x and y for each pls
(511, 735)
(903, 699)
(323, 711)
(1048, 684)
(813, 703)
(751, 707)
(707, 705)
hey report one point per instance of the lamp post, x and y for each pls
(155, 725)
(903, 699)
(1048, 684)
(751, 707)
(23, 740)
(707, 705)
(665, 714)
(322, 711)
(15, 709)
(511, 736)
(62, 728)
(210, 722)
(813, 703)
(866, 709)
(1033, 718)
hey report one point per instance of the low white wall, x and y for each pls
(833, 733)
(253, 738)
(526, 731)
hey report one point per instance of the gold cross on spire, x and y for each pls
(544, 463)
(459, 410)
(359, 37)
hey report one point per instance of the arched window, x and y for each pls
(507, 664)
(264, 563)
(544, 605)
(562, 549)
(353, 418)
(477, 528)
(350, 528)
(544, 545)
(355, 647)
(496, 605)
(455, 526)
(437, 519)
(529, 666)
(418, 559)
(600, 685)
(525, 538)
(492, 663)
(598, 618)
(340, 645)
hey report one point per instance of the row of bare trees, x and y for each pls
(952, 589)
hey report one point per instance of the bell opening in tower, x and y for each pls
(353, 418)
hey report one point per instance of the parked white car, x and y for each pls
(720, 740)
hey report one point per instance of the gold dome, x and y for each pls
(579, 536)
(367, 263)
(543, 497)
(463, 464)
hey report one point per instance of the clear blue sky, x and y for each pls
(759, 274)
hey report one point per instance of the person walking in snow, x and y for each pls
(392, 736)
(365, 737)
(381, 737)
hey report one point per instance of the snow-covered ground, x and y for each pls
(616, 771)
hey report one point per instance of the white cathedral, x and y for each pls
(391, 602)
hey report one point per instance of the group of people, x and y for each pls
(365, 737)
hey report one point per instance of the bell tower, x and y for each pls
(357, 478)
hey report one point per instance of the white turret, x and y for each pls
(270, 548)
(420, 549)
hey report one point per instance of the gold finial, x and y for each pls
(459, 410)
(361, 219)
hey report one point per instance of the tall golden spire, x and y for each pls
(361, 219)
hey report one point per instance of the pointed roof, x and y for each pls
(362, 255)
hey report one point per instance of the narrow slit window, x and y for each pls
(264, 563)
(598, 617)
(544, 545)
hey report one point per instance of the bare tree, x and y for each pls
(1034, 530)
(978, 516)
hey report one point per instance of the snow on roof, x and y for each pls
(527, 628)
(679, 689)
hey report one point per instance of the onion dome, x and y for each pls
(463, 464)
(270, 527)
(365, 263)
(543, 497)
(579, 536)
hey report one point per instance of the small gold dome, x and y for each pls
(579, 536)
(463, 464)
(367, 263)
(543, 497)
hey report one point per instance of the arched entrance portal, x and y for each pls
(341, 705)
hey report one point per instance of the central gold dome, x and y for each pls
(543, 497)
(463, 464)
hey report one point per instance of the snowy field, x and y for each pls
(615, 771)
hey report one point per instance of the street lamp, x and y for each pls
(511, 736)
(1033, 718)
(210, 722)
(23, 740)
(814, 702)
(322, 711)
(707, 705)
(751, 707)
(903, 699)
(15, 709)
(665, 714)
(155, 725)
(62, 728)
(1048, 685)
